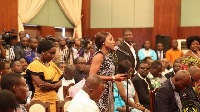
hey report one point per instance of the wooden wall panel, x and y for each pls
(85, 18)
(46, 30)
(185, 32)
(166, 18)
(8, 15)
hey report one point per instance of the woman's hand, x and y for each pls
(46, 86)
(141, 108)
(120, 77)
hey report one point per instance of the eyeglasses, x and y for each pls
(144, 68)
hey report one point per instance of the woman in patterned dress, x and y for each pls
(192, 58)
(103, 65)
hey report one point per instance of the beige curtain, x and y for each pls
(27, 9)
(72, 10)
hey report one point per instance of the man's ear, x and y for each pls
(14, 89)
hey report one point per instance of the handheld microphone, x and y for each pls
(116, 48)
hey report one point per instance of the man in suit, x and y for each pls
(80, 64)
(19, 50)
(142, 84)
(127, 46)
(176, 68)
(160, 53)
(168, 95)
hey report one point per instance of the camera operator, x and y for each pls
(2, 50)
(70, 43)
(62, 51)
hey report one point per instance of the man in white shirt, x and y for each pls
(84, 100)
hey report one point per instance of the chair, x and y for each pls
(37, 106)
(66, 89)
(152, 96)
(61, 106)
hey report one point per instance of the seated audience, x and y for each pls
(7, 101)
(4, 69)
(16, 67)
(15, 83)
(147, 52)
(80, 63)
(155, 72)
(188, 94)
(39, 38)
(56, 43)
(142, 84)
(68, 78)
(21, 35)
(121, 87)
(167, 96)
(84, 100)
(80, 84)
(31, 52)
(174, 52)
(23, 63)
(176, 68)
(77, 48)
(61, 66)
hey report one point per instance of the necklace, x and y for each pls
(196, 55)
(46, 64)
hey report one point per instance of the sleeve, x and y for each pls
(141, 55)
(34, 69)
(167, 55)
(162, 101)
(28, 56)
(17, 52)
(154, 56)
(143, 96)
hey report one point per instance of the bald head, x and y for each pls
(181, 80)
(194, 72)
(93, 81)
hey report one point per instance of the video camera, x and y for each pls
(9, 36)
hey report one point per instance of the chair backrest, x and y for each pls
(152, 96)
(66, 90)
(38, 106)
(61, 106)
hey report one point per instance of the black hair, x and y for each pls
(76, 60)
(100, 38)
(156, 64)
(9, 80)
(143, 62)
(44, 45)
(124, 66)
(12, 63)
(31, 39)
(58, 64)
(127, 30)
(190, 39)
(7, 100)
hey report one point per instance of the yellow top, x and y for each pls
(49, 74)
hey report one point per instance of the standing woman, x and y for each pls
(103, 65)
(45, 74)
(192, 58)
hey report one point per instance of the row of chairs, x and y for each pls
(39, 106)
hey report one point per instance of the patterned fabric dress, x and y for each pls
(107, 68)
(187, 62)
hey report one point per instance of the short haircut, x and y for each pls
(12, 63)
(9, 80)
(44, 45)
(143, 62)
(156, 64)
(100, 38)
(76, 60)
(124, 66)
(58, 64)
(190, 39)
(127, 30)
(93, 81)
(7, 100)
(31, 39)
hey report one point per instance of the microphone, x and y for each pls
(116, 48)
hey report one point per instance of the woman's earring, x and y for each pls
(103, 43)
